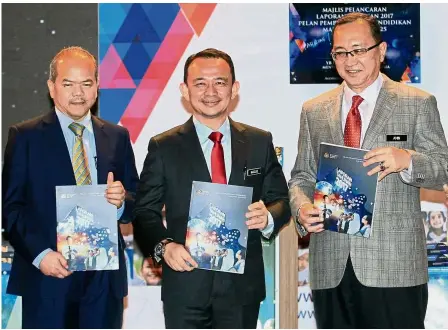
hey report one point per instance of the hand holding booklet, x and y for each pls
(344, 192)
(216, 229)
(87, 230)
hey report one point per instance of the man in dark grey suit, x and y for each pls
(379, 281)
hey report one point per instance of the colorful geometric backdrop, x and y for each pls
(140, 45)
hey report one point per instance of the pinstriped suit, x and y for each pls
(395, 254)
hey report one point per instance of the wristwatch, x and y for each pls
(159, 249)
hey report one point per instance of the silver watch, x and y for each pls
(159, 249)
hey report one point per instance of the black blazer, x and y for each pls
(174, 160)
(36, 161)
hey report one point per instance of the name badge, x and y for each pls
(254, 171)
(396, 138)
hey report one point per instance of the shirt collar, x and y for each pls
(203, 131)
(370, 94)
(65, 120)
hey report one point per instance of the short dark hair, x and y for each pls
(209, 53)
(375, 27)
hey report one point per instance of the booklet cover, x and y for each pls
(344, 191)
(87, 230)
(216, 229)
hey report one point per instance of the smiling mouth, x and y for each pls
(211, 103)
(353, 71)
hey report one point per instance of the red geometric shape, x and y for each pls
(113, 73)
(157, 76)
(198, 14)
(301, 44)
(405, 76)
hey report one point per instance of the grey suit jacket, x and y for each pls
(395, 254)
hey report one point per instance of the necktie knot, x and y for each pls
(356, 101)
(77, 129)
(216, 137)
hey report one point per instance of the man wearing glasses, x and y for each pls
(376, 282)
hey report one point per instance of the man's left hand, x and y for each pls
(257, 216)
(389, 159)
(115, 192)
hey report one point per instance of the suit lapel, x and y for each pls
(191, 151)
(239, 153)
(384, 108)
(57, 154)
(334, 108)
(102, 154)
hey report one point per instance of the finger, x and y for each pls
(116, 184)
(62, 261)
(309, 212)
(254, 221)
(110, 178)
(255, 206)
(255, 213)
(373, 160)
(384, 174)
(173, 264)
(256, 226)
(374, 153)
(313, 229)
(185, 266)
(187, 257)
(182, 264)
(118, 197)
(375, 170)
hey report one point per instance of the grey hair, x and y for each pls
(72, 49)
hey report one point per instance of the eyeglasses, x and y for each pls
(343, 55)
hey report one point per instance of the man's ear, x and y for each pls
(184, 91)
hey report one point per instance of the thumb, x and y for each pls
(110, 178)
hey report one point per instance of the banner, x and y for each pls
(310, 33)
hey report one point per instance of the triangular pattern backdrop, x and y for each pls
(140, 45)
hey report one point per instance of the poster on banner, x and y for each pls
(310, 32)
(434, 217)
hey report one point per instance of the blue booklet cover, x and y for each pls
(216, 229)
(87, 229)
(344, 191)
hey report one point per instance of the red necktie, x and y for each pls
(218, 165)
(352, 132)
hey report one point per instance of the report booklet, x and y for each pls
(217, 230)
(344, 191)
(87, 229)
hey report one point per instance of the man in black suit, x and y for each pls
(67, 146)
(209, 147)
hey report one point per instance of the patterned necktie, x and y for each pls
(352, 132)
(79, 161)
(218, 165)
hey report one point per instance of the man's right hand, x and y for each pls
(54, 264)
(177, 257)
(311, 218)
